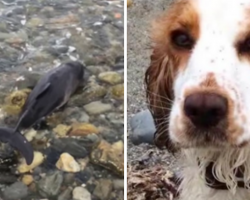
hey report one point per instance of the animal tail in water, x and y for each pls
(18, 142)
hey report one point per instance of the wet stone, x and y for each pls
(50, 185)
(62, 130)
(38, 160)
(117, 91)
(109, 156)
(66, 194)
(67, 163)
(78, 148)
(81, 193)
(82, 129)
(15, 191)
(92, 93)
(143, 128)
(110, 77)
(103, 189)
(27, 80)
(15, 101)
(97, 107)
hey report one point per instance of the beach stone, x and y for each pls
(38, 160)
(143, 128)
(67, 163)
(65, 195)
(117, 91)
(97, 107)
(109, 156)
(15, 191)
(81, 193)
(78, 148)
(27, 179)
(62, 130)
(27, 80)
(82, 129)
(110, 77)
(49, 186)
(118, 184)
(92, 93)
(103, 189)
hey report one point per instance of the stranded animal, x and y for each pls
(51, 92)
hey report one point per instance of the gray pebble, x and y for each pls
(16, 191)
(103, 189)
(65, 195)
(78, 148)
(81, 193)
(50, 185)
(143, 128)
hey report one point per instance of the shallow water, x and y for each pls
(35, 36)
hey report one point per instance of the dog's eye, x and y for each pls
(182, 39)
(244, 47)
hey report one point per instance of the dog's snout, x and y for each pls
(205, 109)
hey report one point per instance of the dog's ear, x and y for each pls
(159, 92)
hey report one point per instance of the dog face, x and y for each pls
(198, 83)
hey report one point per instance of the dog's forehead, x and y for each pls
(225, 16)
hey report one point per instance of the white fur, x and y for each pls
(221, 22)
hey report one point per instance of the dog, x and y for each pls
(198, 91)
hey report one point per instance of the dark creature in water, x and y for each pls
(51, 92)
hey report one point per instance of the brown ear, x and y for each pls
(159, 91)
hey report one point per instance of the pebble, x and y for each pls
(81, 193)
(30, 135)
(27, 179)
(110, 77)
(38, 159)
(77, 147)
(49, 186)
(82, 129)
(92, 93)
(35, 22)
(103, 189)
(83, 163)
(118, 184)
(67, 163)
(15, 191)
(97, 107)
(117, 91)
(143, 128)
(65, 195)
(109, 156)
(62, 130)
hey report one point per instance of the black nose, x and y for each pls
(205, 109)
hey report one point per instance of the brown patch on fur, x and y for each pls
(166, 62)
(210, 81)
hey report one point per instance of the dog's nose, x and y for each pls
(205, 109)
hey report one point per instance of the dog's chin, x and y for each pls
(215, 145)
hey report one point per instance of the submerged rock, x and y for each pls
(109, 156)
(81, 193)
(91, 93)
(103, 189)
(110, 77)
(15, 101)
(50, 185)
(82, 129)
(117, 91)
(16, 191)
(67, 163)
(38, 159)
(97, 107)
